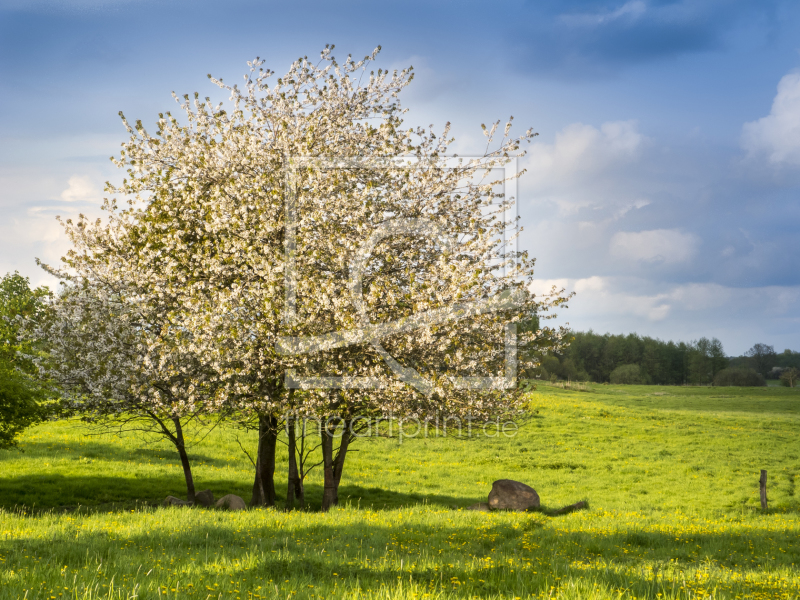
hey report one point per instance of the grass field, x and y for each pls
(671, 474)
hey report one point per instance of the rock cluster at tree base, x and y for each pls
(206, 500)
(173, 501)
(231, 502)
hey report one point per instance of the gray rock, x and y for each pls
(231, 502)
(173, 501)
(480, 506)
(204, 498)
(508, 494)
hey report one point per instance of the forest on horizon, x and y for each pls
(631, 358)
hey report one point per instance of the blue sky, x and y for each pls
(663, 187)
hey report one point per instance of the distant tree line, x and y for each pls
(772, 365)
(638, 359)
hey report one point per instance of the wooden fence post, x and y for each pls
(763, 486)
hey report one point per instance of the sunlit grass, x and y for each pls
(671, 475)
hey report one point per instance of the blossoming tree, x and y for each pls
(116, 347)
(304, 240)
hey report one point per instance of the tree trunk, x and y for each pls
(333, 465)
(295, 488)
(187, 468)
(264, 483)
(329, 491)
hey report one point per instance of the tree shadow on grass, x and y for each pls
(721, 401)
(43, 491)
(104, 452)
(381, 499)
(376, 498)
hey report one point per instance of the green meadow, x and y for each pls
(671, 475)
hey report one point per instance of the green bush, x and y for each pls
(789, 377)
(21, 405)
(568, 372)
(551, 364)
(628, 374)
(739, 376)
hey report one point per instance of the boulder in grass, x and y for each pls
(204, 498)
(173, 501)
(480, 506)
(231, 502)
(508, 494)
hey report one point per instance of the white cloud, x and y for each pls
(668, 246)
(582, 165)
(580, 148)
(81, 189)
(601, 296)
(29, 229)
(25, 237)
(777, 136)
(590, 284)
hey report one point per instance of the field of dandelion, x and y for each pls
(671, 475)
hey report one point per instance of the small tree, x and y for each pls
(763, 358)
(115, 347)
(706, 359)
(22, 397)
(18, 302)
(789, 376)
(718, 359)
(22, 404)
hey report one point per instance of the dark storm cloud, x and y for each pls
(594, 38)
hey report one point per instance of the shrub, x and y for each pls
(740, 376)
(630, 374)
(789, 377)
(568, 371)
(551, 364)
